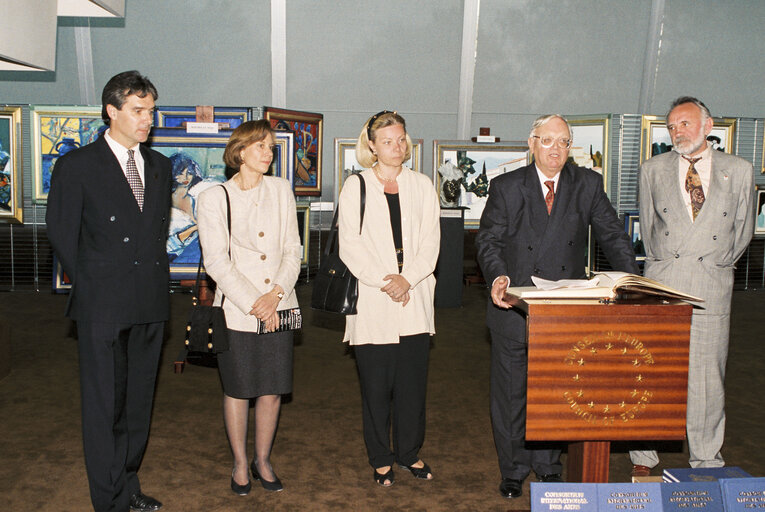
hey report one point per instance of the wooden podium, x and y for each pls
(605, 371)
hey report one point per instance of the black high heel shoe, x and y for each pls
(241, 490)
(274, 486)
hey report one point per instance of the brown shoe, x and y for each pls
(638, 470)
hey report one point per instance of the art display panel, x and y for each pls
(11, 203)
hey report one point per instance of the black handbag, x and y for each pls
(206, 329)
(335, 288)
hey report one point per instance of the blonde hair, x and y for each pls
(364, 155)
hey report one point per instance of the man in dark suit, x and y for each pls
(107, 220)
(536, 223)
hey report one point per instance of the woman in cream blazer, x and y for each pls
(257, 279)
(393, 259)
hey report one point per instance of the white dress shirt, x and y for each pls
(121, 152)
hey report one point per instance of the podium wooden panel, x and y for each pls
(600, 372)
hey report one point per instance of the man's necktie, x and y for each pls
(693, 186)
(550, 197)
(134, 179)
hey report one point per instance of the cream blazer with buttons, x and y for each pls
(371, 256)
(265, 246)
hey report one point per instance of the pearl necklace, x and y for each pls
(383, 178)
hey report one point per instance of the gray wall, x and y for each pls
(351, 58)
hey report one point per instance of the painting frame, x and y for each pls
(53, 129)
(11, 169)
(311, 126)
(759, 214)
(304, 215)
(174, 116)
(198, 146)
(653, 130)
(595, 129)
(512, 155)
(345, 152)
(61, 282)
(283, 164)
(632, 227)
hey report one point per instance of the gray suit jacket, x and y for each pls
(697, 257)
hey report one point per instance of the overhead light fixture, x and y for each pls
(92, 8)
(28, 35)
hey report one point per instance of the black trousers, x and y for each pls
(118, 370)
(396, 375)
(509, 366)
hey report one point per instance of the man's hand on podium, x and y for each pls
(498, 292)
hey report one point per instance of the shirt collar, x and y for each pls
(543, 178)
(118, 149)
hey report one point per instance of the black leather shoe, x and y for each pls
(139, 502)
(275, 486)
(511, 488)
(552, 477)
(241, 490)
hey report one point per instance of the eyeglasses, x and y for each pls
(547, 142)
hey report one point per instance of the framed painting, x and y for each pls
(632, 226)
(56, 131)
(655, 139)
(463, 171)
(197, 164)
(303, 220)
(346, 164)
(176, 117)
(759, 223)
(590, 143)
(11, 202)
(283, 164)
(61, 281)
(307, 128)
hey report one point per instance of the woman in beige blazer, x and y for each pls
(257, 279)
(393, 259)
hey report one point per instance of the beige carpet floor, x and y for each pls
(319, 452)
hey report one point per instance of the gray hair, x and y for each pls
(542, 120)
(705, 114)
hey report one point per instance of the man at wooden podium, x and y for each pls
(536, 223)
(696, 219)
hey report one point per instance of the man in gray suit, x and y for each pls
(696, 219)
(536, 223)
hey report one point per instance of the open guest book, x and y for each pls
(605, 285)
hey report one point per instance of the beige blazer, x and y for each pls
(697, 257)
(372, 255)
(265, 246)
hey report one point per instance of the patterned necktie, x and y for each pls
(550, 197)
(693, 186)
(134, 179)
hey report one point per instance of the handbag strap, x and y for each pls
(332, 238)
(199, 267)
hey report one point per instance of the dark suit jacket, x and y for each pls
(518, 239)
(114, 253)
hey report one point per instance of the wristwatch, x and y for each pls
(280, 294)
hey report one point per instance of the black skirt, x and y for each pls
(256, 364)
